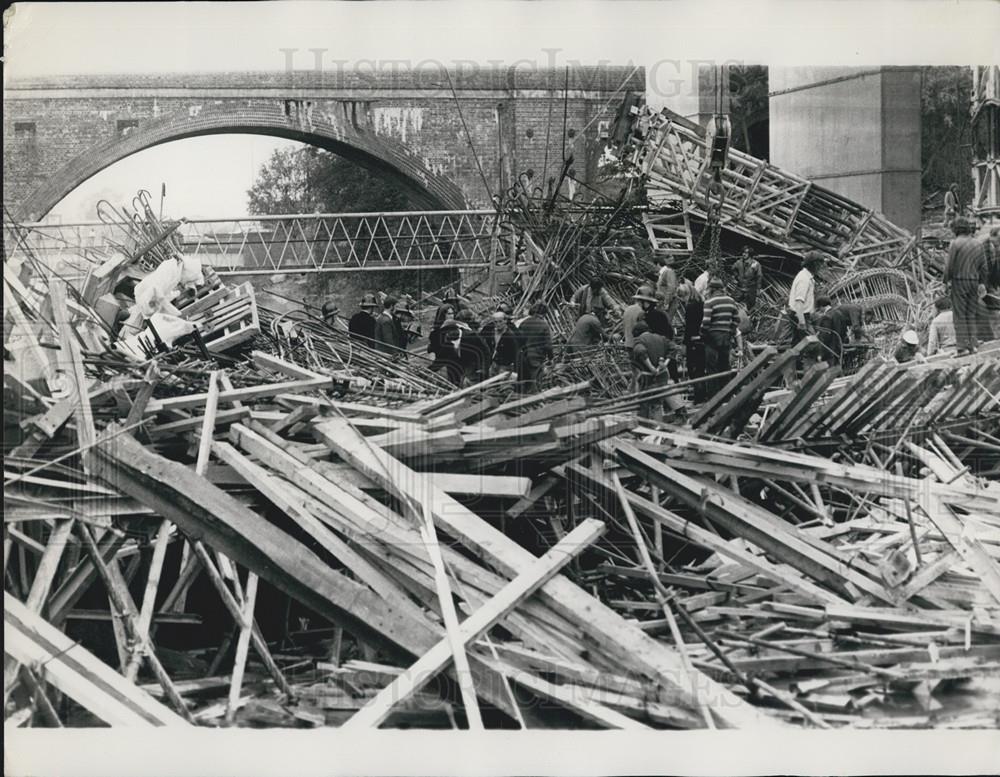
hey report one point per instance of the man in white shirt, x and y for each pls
(701, 283)
(666, 284)
(795, 323)
(941, 334)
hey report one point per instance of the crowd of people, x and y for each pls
(676, 328)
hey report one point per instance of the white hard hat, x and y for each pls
(909, 336)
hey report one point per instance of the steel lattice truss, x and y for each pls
(290, 244)
(986, 139)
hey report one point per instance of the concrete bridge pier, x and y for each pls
(853, 130)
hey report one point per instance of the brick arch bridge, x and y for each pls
(408, 125)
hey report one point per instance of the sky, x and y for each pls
(668, 38)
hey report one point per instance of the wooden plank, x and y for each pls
(244, 394)
(266, 361)
(242, 646)
(569, 697)
(72, 363)
(202, 510)
(625, 641)
(78, 673)
(435, 406)
(300, 512)
(660, 589)
(715, 402)
(744, 519)
(705, 538)
(121, 601)
(483, 619)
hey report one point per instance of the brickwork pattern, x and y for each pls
(406, 126)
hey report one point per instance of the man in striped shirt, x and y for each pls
(718, 328)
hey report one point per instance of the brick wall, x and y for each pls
(407, 125)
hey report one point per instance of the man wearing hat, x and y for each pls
(718, 328)
(966, 274)
(908, 348)
(645, 299)
(362, 323)
(331, 316)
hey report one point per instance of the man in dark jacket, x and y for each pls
(694, 347)
(748, 275)
(834, 327)
(500, 341)
(965, 272)
(588, 332)
(536, 347)
(651, 357)
(387, 331)
(362, 323)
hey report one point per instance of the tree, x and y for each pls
(749, 109)
(946, 137)
(310, 180)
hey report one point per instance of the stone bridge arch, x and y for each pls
(292, 121)
(452, 140)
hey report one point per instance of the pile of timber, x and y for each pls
(299, 530)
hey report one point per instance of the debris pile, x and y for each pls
(189, 474)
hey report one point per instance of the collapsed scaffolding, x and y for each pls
(824, 555)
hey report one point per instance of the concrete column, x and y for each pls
(855, 131)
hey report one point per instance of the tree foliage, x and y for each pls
(749, 109)
(946, 137)
(311, 180)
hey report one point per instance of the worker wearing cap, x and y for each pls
(593, 296)
(908, 348)
(966, 274)
(331, 316)
(720, 318)
(362, 323)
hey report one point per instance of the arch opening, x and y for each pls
(381, 156)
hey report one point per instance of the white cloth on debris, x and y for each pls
(168, 327)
